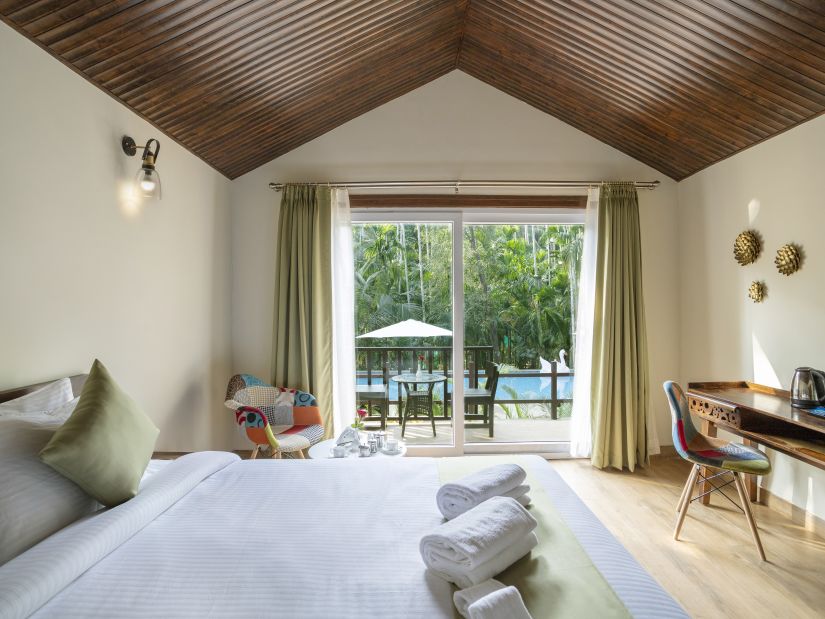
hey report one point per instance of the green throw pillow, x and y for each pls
(106, 444)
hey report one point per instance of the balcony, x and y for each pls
(529, 405)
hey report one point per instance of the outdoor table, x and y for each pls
(418, 401)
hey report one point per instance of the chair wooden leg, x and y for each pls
(491, 410)
(254, 453)
(708, 429)
(687, 490)
(746, 507)
(276, 454)
(686, 503)
(299, 455)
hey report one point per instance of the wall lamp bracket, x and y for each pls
(130, 148)
(147, 179)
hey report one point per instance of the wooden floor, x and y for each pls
(714, 571)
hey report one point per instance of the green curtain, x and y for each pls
(302, 334)
(619, 387)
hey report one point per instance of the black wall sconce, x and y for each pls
(147, 179)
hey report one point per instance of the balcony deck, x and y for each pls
(507, 431)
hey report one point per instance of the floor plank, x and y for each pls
(714, 570)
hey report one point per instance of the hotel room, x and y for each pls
(383, 308)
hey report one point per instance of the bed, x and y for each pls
(211, 535)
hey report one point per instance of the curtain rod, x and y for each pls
(457, 185)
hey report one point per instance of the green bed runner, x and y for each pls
(557, 579)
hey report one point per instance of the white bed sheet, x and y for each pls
(277, 539)
(317, 539)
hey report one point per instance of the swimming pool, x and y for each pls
(511, 387)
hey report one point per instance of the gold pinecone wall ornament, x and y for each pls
(788, 259)
(747, 247)
(756, 292)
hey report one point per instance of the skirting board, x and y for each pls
(802, 517)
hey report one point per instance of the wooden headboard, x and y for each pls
(16, 392)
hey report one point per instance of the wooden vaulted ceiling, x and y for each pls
(677, 84)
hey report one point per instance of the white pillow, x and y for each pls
(55, 417)
(43, 400)
(35, 500)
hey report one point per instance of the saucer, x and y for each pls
(387, 452)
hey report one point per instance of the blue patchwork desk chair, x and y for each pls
(721, 456)
(283, 421)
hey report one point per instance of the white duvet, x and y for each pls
(209, 535)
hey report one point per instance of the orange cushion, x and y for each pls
(306, 416)
(257, 436)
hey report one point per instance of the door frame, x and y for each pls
(458, 217)
(454, 218)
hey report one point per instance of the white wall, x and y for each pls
(84, 275)
(773, 188)
(455, 127)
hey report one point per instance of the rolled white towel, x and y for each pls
(464, 597)
(519, 493)
(457, 497)
(503, 603)
(481, 542)
(494, 566)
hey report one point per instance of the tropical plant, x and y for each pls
(519, 285)
(516, 410)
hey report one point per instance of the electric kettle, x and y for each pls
(808, 388)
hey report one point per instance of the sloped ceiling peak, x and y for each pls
(678, 85)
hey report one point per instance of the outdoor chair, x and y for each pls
(376, 396)
(486, 397)
(714, 454)
(284, 421)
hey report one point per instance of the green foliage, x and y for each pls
(519, 285)
(517, 410)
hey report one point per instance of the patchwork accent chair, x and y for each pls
(720, 456)
(284, 421)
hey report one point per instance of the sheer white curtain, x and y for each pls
(343, 313)
(580, 435)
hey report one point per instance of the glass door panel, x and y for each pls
(403, 325)
(519, 331)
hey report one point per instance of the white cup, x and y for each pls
(392, 444)
(339, 451)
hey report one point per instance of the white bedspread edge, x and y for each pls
(30, 580)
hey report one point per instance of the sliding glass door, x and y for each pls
(405, 347)
(510, 347)
(519, 323)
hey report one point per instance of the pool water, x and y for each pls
(510, 387)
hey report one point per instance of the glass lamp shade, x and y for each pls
(147, 182)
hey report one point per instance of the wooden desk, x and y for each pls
(760, 415)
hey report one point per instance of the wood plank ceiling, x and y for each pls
(677, 84)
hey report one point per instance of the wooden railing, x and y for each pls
(371, 361)
(436, 359)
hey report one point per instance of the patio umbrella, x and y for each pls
(408, 328)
